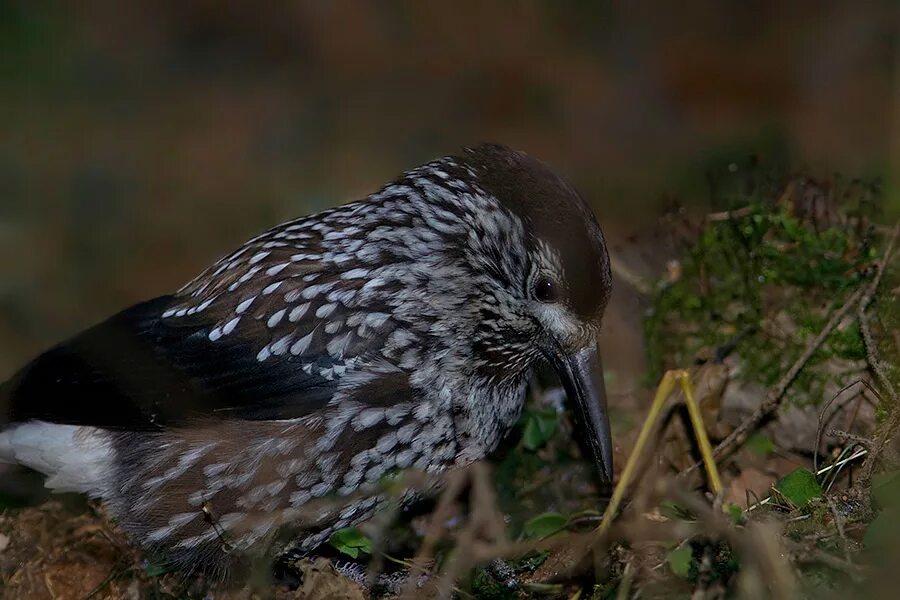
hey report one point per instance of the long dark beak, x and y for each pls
(581, 374)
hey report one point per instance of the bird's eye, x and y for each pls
(545, 290)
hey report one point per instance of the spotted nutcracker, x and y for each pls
(276, 390)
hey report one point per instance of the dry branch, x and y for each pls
(890, 429)
(872, 357)
(776, 395)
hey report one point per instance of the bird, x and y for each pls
(279, 388)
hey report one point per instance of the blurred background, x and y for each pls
(141, 140)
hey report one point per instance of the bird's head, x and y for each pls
(539, 276)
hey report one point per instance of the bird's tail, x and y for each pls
(6, 453)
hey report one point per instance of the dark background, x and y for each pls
(140, 140)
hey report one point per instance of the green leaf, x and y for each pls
(799, 487)
(886, 488)
(735, 513)
(760, 444)
(680, 559)
(539, 428)
(883, 533)
(545, 525)
(351, 541)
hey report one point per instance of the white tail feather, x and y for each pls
(74, 458)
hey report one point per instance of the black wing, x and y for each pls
(267, 332)
(132, 371)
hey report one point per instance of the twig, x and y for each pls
(106, 581)
(831, 478)
(666, 386)
(704, 574)
(625, 582)
(814, 555)
(549, 589)
(727, 215)
(839, 525)
(484, 521)
(776, 395)
(872, 352)
(893, 424)
(871, 349)
(846, 436)
(381, 522)
(882, 267)
(455, 484)
(821, 419)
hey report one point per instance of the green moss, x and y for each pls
(769, 280)
(486, 587)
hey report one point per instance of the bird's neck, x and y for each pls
(484, 415)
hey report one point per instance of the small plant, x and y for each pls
(351, 541)
(799, 487)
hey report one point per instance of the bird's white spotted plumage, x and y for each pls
(282, 385)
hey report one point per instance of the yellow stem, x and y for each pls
(706, 451)
(662, 394)
(666, 385)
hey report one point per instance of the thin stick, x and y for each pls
(871, 349)
(666, 386)
(831, 478)
(814, 555)
(893, 424)
(846, 436)
(106, 581)
(821, 419)
(625, 583)
(872, 352)
(882, 267)
(839, 525)
(727, 215)
(700, 433)
(703, 575)
(455, 484)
